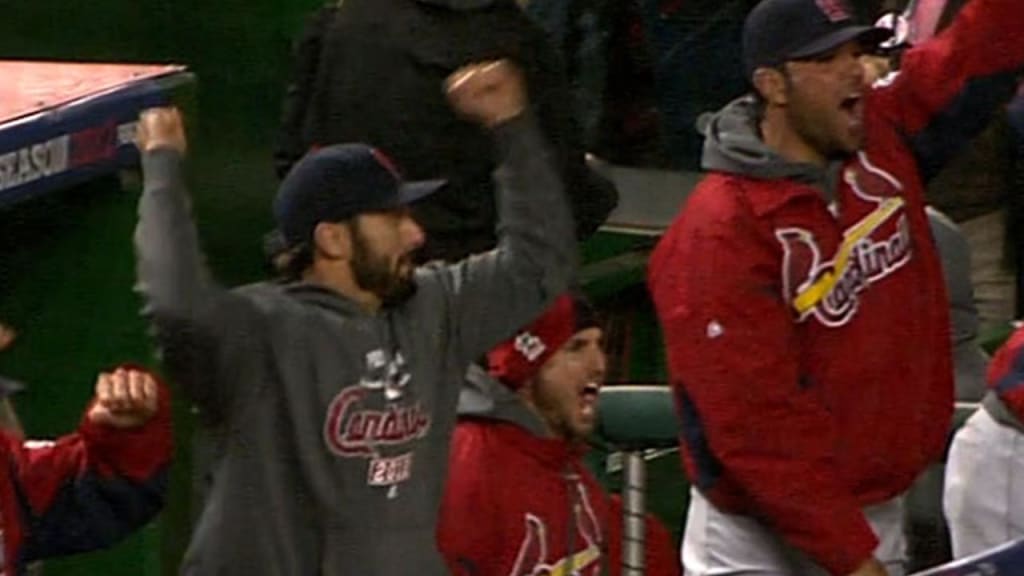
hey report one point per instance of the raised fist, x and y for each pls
(124, 399)
(489, 93)
(161, 128)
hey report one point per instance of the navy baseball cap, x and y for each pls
(337, 182)
(777, 31)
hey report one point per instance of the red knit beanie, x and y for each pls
(516, 360)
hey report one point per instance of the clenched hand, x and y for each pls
(124, 399)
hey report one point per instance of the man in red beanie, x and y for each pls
(519, 500)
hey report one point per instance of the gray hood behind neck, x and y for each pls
(484, 397)
(732, 144)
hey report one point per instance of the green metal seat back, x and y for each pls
(637, 417)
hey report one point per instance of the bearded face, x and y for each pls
(382, 261)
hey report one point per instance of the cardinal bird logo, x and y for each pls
(533, 557)
(874, 247)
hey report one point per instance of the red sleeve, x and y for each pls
(731, 348)
(89, 489)
(950, 85)
(464, 529)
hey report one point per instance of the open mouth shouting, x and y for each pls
(588, 399)
(853, 106)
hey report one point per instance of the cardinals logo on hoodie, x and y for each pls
(872, 248)
(534, 557)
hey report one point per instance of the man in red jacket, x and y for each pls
(519, 500)
(800, 294)
(89, 489)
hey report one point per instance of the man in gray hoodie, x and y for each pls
(336, 394)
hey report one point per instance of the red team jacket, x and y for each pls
(810, 351)
(84, 491)
(517, 504)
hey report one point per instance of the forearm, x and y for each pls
(172, 276)
(536, 255)
(533, 216)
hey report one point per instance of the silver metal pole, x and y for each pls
(634, 482)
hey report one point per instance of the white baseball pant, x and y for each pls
(720, 544)
(984, 490)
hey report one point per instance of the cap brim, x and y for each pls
(410, 192)
(869, 36)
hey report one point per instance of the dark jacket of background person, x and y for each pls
(978, 180)
(372, 71)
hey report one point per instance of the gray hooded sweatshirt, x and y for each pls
(335, 421)
(732, 145)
